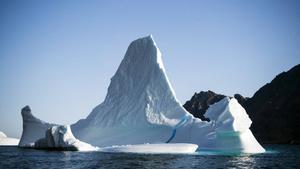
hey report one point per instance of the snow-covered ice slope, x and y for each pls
(141, 107)
(7, 141)
(139, 94)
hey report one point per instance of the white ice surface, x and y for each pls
(2, 135)
(228, 115)
(8, 141)
(141, 107)
(152, 148)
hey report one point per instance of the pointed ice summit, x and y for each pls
(141, 107)
(139, 93)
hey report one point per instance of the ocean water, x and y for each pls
(277, 156)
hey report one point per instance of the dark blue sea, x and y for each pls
(277, 156)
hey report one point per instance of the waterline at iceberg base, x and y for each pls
(141, 107)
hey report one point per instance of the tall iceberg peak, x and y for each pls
(139, 93)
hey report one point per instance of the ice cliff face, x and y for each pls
(141, 107)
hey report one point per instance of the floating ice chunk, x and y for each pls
(153, 148)
(8, 141)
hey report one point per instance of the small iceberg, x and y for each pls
(42, 135)
(8, 141)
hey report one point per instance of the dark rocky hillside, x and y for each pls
(200, 102)
(274, 109)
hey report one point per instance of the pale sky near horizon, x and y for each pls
(58, 56)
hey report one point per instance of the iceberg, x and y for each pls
(141, 107)
(7, 141)
(33, 128)
(42, 135)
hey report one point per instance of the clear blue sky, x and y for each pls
(58, 56)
